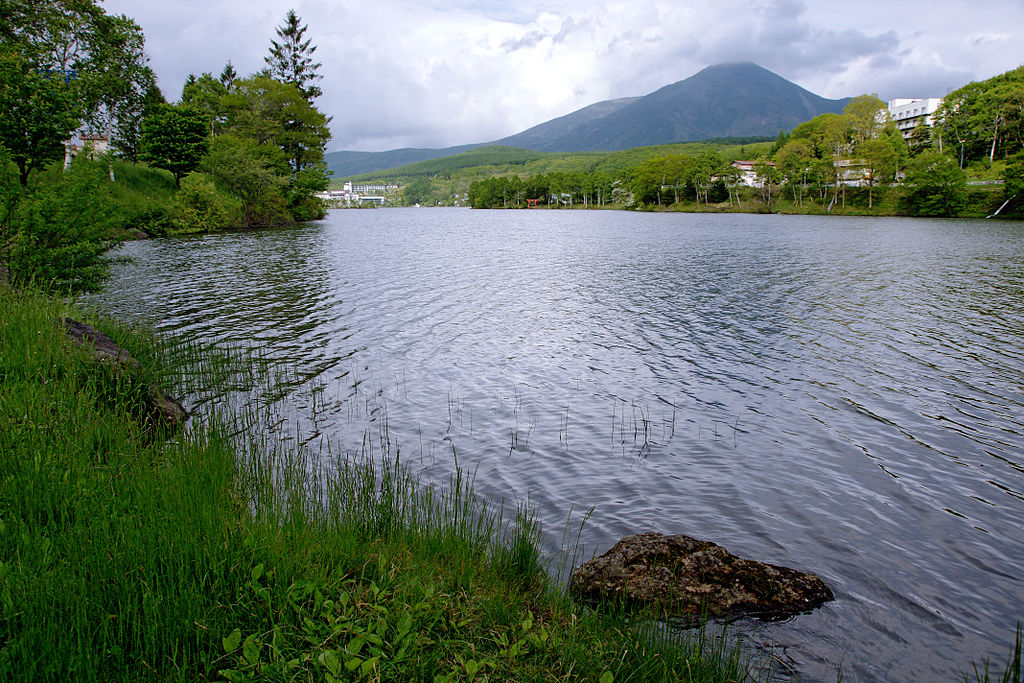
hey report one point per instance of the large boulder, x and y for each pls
(161, 408)
(682, 577)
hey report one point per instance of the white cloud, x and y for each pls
(444, 72)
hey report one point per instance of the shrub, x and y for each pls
(935, 186)
(56, 236)
(308, 209)
(200, 207)
(242, 169)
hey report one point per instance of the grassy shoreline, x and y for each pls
(221, 554)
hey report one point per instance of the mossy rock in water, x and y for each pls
(686, 578)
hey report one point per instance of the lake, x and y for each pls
(838, 395)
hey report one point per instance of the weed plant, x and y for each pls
(1012, 673)
(224, 553)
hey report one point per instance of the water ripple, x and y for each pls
(839, 395)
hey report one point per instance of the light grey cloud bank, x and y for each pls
(433, 73)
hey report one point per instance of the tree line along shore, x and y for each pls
(854, 162)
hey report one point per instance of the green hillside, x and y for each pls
(480, 157)
(722, 101)
(445, 181)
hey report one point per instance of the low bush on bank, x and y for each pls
(56, 236)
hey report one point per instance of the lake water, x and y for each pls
(839, 395)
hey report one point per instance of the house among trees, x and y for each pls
(748, 174)
(97, 144)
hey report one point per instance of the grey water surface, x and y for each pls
(838, 395)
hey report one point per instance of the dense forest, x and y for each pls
(231, 152)
(980, 122)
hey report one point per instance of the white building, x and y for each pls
(748, 172)
(358, 194)
(97, 144)
(908, 113)
(366, 188)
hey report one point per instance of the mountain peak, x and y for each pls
(737, 99)
(733, 99)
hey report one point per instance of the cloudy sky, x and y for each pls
(434, 73)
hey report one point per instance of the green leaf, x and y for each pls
(607, 677)
(251, 650)
(353, 664)
(527, 622)
(331, 661)
(257, 572)
(404, 624)
(472, 666)
(232, 640)
(367, 667)
(355, 645)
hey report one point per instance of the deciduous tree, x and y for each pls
(768, 176)
(175, 137)
(793, 160)
(240, 166)
(935, 186)
(40, 111)
(63, 60)
(880, 162)
(866, 115)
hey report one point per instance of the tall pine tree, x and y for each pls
(291, 59)
(228, 76)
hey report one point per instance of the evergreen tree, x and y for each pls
(291, 59)
(228, 76)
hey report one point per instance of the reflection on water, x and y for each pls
(844, 396)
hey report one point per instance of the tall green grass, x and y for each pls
(1013, 673)
(227, 553)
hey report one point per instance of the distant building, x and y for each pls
(367, 188)
(97, 144)
(748, 174)
(350, 193)
(907, 114)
